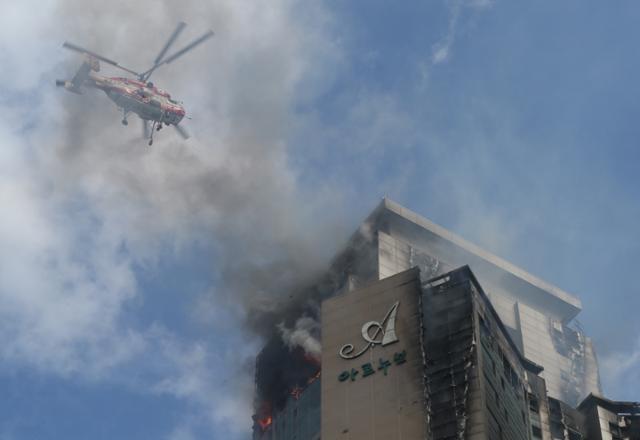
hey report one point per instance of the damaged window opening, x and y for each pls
(536, 432)
(533, 403)
(574, 435)
(457, 384)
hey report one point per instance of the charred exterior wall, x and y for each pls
(299, 418)
(605, 419)
(475, 374)
(537, 316)
(280, 369)
(565, 422)
(538, 408)
(451, 367)
(461, 375)
(474, 358)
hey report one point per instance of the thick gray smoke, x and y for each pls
(90, 201)
(232, 181)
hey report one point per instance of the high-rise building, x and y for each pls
(538, 316)
(606, 419)
(436, 362)
(421, 359)
(425, 335)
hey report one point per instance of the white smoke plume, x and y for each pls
(304, 335)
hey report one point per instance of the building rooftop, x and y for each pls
(485, 264)
(619, 407)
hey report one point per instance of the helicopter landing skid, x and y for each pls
(153, 129)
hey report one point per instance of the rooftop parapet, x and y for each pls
(489, 267)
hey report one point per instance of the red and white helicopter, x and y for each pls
(139, 95)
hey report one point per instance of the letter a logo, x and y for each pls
(375, 333)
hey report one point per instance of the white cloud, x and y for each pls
(182, 432)
(480, 4)
(621, 373)
(441, 50)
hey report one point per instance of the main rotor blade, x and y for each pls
(170, 41)
(144, 76)
(188, 47)
(76, 48)
(181, 130)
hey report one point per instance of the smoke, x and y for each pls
(303, 335)
(87, 202)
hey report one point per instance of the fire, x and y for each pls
(296, 392)
(313, 378)
(311, 359)
(265, 423)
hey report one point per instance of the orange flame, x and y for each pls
(296, 392)
(265, 423)
(313, 378)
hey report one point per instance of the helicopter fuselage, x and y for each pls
(146, 100)
(137, 95)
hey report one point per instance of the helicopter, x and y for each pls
(135, 95)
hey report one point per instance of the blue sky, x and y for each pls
(127, 273)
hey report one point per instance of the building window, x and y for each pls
(616, 433)
(536, 431)
(507, 367)
(574, 435)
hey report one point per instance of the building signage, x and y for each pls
(368, 368)
(372, 362)
(375, 333)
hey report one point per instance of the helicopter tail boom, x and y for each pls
(69, 86)
(81, 76)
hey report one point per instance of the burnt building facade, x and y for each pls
(606, 419)
(450, 369)
(478, 348)
(409, 358)
(539, 317)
